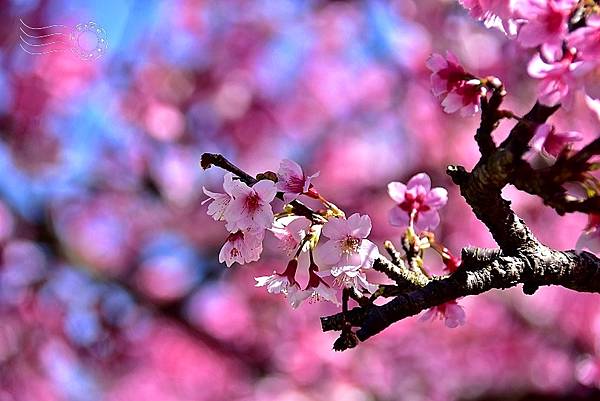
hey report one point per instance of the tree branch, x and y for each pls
(521, 259)
(478, 274)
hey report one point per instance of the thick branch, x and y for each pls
(580, 272)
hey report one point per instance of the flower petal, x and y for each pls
(397, 191)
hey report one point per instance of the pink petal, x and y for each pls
(552, 91)
(266, 190)
(368, 253)
(436, 62)
(308, 181)
(263, 218)
(362, 280)
(239, 189)
(228, 183)
(327, 293)
(532, 34)
(455, 315)
(398, 217)
(452, 103)
(589, 241)
(289, 168)
(289, 197)
(419, 180)
(541, 133)
(353, 260)
(397, 191)
(330, 253)
(436, 198)
(537, 68)
(427, 220)
(360, 226)
(296, 296)
(336, 228)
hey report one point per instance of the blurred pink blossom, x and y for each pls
(548, 140)
(494, 13)
(587, 39)
(546, 22)
(558, 75)
(458, 90)
(452, 313)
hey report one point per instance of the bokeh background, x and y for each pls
(110, 287)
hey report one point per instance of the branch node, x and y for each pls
(458, 174)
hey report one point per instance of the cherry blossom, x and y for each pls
(416, 197)
(546, 22)
(458, 90)
(347, 251)
(250, 208)
(290, 231)
(559, 76)
(590, 238)
(292, 181)
(220, 201)
(317, 289)
(547, 140)
(241, 247)
(587, 39)
(350, 276)
(285, 283)
(452, 313)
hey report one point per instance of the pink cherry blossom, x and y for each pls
(251, 208)
(458, 90)
(350, 276)
(452, 313)
(416, 197)
(285, 283)
(590, 238)
(347, 251)
(292, 181)
(466, 99)
(587, 39)
(220, 201)
(494, 13)
(547, 22)
(546, 139)
(588, 371)
(317, 289)
(241, 247)
(290, 231)
(559, 77)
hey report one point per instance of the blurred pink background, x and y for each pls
(110, 287)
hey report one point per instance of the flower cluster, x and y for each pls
(566, 34)
(457, 89)
(327, 251)
(248, 214)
